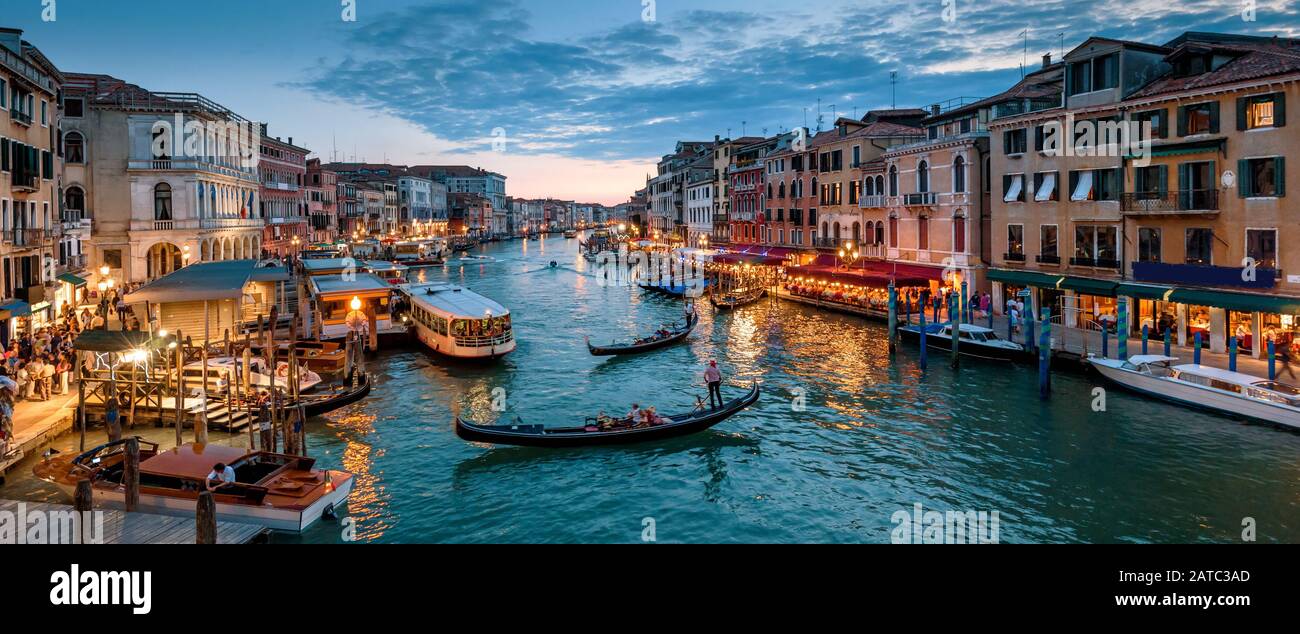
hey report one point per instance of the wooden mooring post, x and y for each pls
(180, 389)
(205, 519)
(131, 474)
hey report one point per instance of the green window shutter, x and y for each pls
(1279, 175)
(1182, 120)
(1164, 179)
(1164, 123)
(1242, 102)
(1074, 184)
(1006, 143)
(1279, 109)
(4, 155)
(1184, 193)
(1243, 183)
(1214, 117)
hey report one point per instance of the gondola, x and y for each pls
(735, 300)
(591, 434)
(637, 348)
(326, 403)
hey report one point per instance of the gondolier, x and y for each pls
(713, 377)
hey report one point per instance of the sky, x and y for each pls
(578, 99)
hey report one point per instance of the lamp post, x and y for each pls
(848, 255)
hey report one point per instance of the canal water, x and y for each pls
(841, 440)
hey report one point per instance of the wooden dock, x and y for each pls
(121, 527)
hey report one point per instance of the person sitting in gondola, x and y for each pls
(634, 415)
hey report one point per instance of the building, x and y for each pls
(699, 208)
(30, 192)
(667, 189)
(372, 200)
(415, 204)
(168, 178)
(462, 179)
(351, 209)
(322, 202)
(471, 215)
(722, 151)
(283, 172)
(1168, 190)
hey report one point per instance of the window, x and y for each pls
(1262, 111)
(1261, 246)
(1096, 246)
(1262, 177)
(162, 202)
(45, 113)
(1013, 188)
(1016, 241)
(1159, 120)
(922, 177)
(959, 174)
(893, 180)
(1047, 242)
(855, 190)
(1201, 118)
(74, 148)
(1151, 181)
(857, 155)
(74, 108)
(959, 234)
(4, 94)
(1045, 186)
(923, 233)
(1080, 78)
(1015, 141)
(1105, 72)
(1148, 244)
(1200, 246)
(893, 232)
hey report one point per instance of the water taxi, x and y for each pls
(1202, 387)
(418, 253)
(281, 492)
(223, 371)
(457, 322)
(570, 234)
(976, 341)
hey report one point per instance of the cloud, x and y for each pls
(460, 69)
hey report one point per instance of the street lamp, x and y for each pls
(849, 255)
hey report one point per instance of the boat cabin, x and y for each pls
(332, 304)
(391, 272)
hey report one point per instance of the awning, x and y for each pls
(870, 278)
(117, 340)
(198, 283)
(1104, 288)
(1060, 282)
(69, 278)
(1143, 291)
(1191, 147)
(17, 308)
(1243, 302)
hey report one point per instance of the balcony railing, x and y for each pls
(28, 237)
(20, 117)
(921, 199)
(73, 263)
(1013, 257)
(1048, 259)
(872, 202)
(25, 182)
(1100, 263)
(190, 165)
(1188, 200)
(827, 243)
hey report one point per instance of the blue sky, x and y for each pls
(586, 94)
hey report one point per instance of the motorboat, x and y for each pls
(976, 341)
(281, 492)
(457, 322)
(1202, 387)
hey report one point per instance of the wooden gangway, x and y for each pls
(121, 527)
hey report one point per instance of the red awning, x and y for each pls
(748, 258)
(856, 277)
(928, 273)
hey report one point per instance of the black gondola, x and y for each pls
(737, 299)
(592, 434)
(637, 348)
(326, 403)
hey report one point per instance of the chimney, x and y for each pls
(935, 110)
(1047, 60)
(290, 140)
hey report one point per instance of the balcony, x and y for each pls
(192, 224)
(73, 263)
(921, 199)
(1013, 257)
(28, 237)
(826, 243)
(1098, 263)
(20, 117)
(189, 165)
(1048, 259)
(25, 182)
(1176, 202)
(875, 201)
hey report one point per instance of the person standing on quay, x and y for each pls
(713, 377)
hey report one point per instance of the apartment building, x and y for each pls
(283, 172)
(322, 202)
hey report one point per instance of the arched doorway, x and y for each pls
(163, 259)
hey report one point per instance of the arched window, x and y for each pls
(959, 174)
(893, 180)
(880, 233)
(857, 232)
(74, 149)
(825, 229)
(769, 190)
(893, 232)
(780, 190)
(880, 185)
(837, 233)
(74, 202)
(869, 187)
(923, 177)
(162, 202)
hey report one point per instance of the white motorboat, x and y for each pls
(223, 370)
(976, 341)
(1202, 387)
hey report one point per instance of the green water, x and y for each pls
(842, 439)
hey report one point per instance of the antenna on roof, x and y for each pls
(1062, 36)
(1024, 59)
(743, 125)
(893, 92)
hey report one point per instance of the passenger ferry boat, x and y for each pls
(1230, 393)
(457, 322)
(418, 253)
(282, 492)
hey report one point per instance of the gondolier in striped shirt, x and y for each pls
(713, 377)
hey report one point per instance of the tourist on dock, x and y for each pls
(1014, 315)
(47, 379)
(112, 420)
(713, 378)
(986, 304)
(222, 475)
